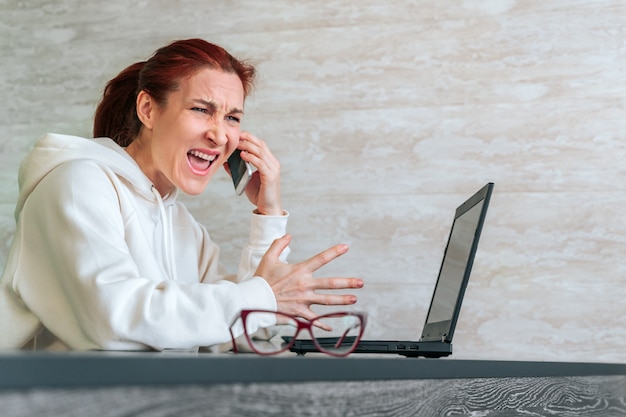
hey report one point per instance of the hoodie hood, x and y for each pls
(53, 149)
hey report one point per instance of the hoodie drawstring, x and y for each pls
(168, 244)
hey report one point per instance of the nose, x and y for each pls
(217, 133)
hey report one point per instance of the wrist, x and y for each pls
(273, 212)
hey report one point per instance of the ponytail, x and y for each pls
(116, 115)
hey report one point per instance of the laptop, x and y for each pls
(445, 305)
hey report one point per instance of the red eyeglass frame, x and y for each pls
(302, 325)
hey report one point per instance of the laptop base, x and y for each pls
(411, 349)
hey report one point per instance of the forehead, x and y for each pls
(219, 87)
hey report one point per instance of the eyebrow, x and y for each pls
(212, 106)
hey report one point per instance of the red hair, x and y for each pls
(116, 115)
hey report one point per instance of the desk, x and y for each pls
(185, 384)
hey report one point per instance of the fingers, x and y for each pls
(294, 286)
(264, 188)
(334, 284)
(322, 258)
(249, 142)
(311, 316)
(337, 283)
(258, 154)
(331, 299)
(334, 299)
(321, 325)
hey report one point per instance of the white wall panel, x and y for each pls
(385, 116)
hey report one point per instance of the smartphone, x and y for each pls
(240, 171)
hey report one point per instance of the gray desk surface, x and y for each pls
(21, 370)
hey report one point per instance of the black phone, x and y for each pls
(240, 171)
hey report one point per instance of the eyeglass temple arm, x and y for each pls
(232, 338)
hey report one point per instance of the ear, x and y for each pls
(146, 108)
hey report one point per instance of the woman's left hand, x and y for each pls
(263, 190)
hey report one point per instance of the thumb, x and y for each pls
(278, 246)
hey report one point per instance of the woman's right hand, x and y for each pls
(294, 285)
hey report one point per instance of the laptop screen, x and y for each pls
(456, 267)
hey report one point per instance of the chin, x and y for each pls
(192, 192)
(193, 188)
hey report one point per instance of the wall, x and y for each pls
(385, 116)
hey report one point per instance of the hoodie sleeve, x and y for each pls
(263, 231)
(81, 274)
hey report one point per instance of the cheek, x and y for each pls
(233, 140)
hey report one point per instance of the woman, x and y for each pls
(104, 257)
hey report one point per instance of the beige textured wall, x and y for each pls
(386, 115)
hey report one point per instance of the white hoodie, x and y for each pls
(100, 261)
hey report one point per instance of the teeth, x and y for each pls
(202, 155)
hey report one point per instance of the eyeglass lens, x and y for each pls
(340, 333)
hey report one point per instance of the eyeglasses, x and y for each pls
(335, 334)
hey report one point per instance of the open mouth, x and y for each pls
(200, 162)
